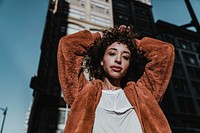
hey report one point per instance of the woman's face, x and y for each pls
(116, 60)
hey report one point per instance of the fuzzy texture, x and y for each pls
(144, 95)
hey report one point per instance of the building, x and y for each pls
(92, 15)
(137, 13)
(181, 103)
(48, 108)
(49, 111)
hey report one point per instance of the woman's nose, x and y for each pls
(118, 59)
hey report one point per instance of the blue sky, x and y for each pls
(174, 11)
(21, 29)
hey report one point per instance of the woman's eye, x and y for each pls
(126, 57)
(111, 54)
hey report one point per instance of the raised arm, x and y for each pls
(158, 71)
(71, 51)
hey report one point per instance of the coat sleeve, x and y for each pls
(158, 70)
(70, 55)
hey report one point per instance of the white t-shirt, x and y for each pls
(114, 114)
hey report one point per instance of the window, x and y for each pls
(61, 120)
(190, 58)
(176, 123)
(166, 107)
(180, 86)
(76, 14)
(193, 72)
(80, 3)
(170, 39)
(196, 88)
(197, 48)
(100, 8)
(123, 16)
(142, 12)
(104, 0)
(177, 56)
(61, 115)
(186, 105)
(72, 28)
(120, 5)
(48, 119)
(100, 20)
(144, 25)
(63, 29)
(193, 123)
(178, 70)
(184, 44)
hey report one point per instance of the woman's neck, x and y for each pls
(109, 84)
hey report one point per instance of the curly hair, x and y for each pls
(96, 51)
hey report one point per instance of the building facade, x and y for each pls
(47, 113)
(181, 103)
(134, 12)
(93, 15)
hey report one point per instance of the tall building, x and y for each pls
(48, 108)
(134, 12)
(93, 15)
(181, 103)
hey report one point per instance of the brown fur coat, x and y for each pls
(144, 95)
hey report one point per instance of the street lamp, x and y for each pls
(4, 113)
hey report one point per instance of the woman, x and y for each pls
(127, 79)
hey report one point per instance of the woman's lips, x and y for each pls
(116, 68)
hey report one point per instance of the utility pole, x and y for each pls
(4, 113)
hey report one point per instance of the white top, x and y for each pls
(114, 114)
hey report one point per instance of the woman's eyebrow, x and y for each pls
(112, 49)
